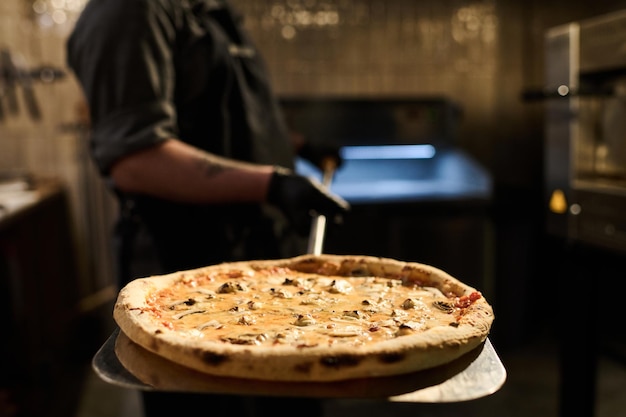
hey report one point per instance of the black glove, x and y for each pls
(300, 197)
(317, 152)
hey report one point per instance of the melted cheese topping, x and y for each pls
(280, 306)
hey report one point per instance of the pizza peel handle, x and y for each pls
(318, 226)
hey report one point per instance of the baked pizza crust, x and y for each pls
(162, 374)
(413, 352)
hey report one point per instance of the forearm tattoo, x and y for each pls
(211, 165)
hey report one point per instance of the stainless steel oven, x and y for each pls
(585, 159)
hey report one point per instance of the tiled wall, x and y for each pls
(479, 53)
(313, 47)
(373, 47)
(376, 47)
(25, 142)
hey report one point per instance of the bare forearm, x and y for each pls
(176, 171)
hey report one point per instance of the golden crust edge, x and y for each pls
(278, 366)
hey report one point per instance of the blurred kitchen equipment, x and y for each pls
(403, 175)
(585, 178)
(586, 131)
(14, 73)
(7, 82)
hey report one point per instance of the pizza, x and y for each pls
(308, 318)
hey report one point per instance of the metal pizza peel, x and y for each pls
(477, 374)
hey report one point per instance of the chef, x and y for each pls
(189, 135)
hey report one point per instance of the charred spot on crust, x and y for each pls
(340, 361)
(213, 359)
(154, 345)
(354, 268)
(360, 271)
(307, 263)
(304, 368)
(391, 357)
